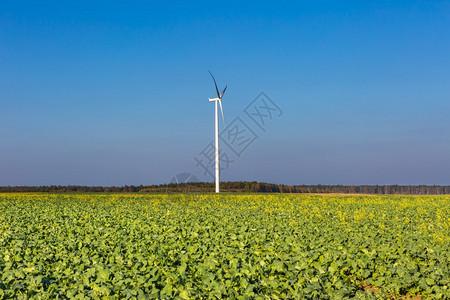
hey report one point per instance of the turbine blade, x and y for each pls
(223, 92)
(217, 90)
(221, 109)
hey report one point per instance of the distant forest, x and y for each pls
(238, 187)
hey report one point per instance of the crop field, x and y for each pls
(110, 246)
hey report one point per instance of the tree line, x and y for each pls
(237, 187)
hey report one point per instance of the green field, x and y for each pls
(224, 246)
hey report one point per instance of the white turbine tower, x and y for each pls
(218, 99)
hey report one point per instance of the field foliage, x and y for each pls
(224, 246)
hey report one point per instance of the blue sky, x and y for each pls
(116, 93)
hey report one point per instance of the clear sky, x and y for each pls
(116, 92)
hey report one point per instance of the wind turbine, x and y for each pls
(218, 99)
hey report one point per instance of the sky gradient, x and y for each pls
(106, 93)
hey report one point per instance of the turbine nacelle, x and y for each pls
(219, 97)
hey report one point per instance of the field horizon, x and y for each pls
(242, 187)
